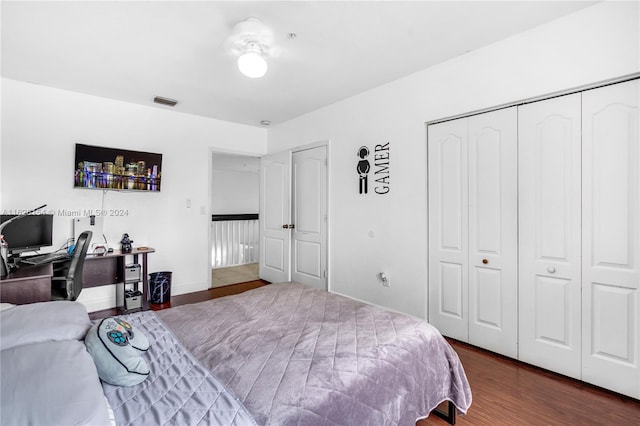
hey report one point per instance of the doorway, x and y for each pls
(235, 248)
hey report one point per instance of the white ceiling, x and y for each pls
(133, 51)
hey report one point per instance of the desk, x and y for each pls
(29, 283)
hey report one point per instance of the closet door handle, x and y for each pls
(485, 261)
(289, 226)
(285, 226)
(551, 269)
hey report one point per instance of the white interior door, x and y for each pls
(493, 231)
(550, 234)
(275, 213)
(309, 212)
(448, 228)
(611, 237)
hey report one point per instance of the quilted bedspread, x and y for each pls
(294, 355)
(179, 390)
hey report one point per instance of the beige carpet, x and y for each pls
(234, 274)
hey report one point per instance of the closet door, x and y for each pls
(549, 234)
(611, 237)
(493, 231)
(448, 228)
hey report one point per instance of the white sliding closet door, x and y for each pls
(550, 234)
(448, 228)
(611, 237)
(473, 278)
(493, 231)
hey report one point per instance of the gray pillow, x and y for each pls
(42, 322)
(118, 363)
(50, 383)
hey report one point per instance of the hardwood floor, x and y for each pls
(508, 392)
(505, 391)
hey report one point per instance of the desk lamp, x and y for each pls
(4, 267)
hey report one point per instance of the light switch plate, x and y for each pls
(91, 223)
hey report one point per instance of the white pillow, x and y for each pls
(43, 322)
(4, 306)
(118, 363)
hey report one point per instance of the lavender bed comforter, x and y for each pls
(294, 355)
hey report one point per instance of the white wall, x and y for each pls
(375, 233)
(235, 191)
(40, 126)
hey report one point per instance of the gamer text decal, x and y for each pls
(380, 172)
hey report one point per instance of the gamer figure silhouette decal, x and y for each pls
(381, 169)
(363, 169)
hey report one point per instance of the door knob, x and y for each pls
(551, 269)
(485, 261)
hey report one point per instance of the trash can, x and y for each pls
(160, 287)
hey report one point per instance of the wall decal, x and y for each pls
(381, 162)
(363, 169)
(381, 169)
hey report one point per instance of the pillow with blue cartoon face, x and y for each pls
(116, 348)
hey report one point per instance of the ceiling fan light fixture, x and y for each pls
(252, 63)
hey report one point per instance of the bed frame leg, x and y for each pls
(449, 416)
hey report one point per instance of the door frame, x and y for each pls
(212, 151)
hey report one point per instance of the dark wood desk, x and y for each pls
(29, 284)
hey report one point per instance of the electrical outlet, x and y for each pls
(386, 282)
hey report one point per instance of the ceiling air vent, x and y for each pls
(165, 101)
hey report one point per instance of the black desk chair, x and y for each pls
(66, 283)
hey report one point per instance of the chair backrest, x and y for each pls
(74, 276)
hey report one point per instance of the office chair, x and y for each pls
(68, 285)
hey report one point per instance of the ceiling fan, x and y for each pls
(251, 41)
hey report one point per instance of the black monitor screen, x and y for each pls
(29, 233)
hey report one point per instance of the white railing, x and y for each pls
(235, 240)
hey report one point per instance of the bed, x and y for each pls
(282, 354)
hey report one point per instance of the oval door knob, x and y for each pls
(485, 261)
(291, 226)
(285, 226)
(551, 269)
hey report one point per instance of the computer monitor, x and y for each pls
(29, 233)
